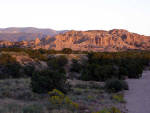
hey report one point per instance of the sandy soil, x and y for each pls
(138, 96)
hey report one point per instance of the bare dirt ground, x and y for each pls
(138, 96)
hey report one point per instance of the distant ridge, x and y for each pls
(92, 40)
(25, 33)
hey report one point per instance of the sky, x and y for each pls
(132, 15)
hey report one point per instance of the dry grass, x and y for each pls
(16, 96)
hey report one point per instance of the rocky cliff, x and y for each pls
(93, 40)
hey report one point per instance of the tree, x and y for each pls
(75, 66)
(57, 63)
(47, 80)
(9, 67)
(67, 50)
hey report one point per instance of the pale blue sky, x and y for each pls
(133, 15)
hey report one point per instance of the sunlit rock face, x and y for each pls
(112, 40)
(93, 40)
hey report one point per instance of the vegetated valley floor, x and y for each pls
(16, 95)
(138, 96)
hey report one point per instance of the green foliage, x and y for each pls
(115, 110)
(118, 98)
(57, 63)
(58, 99)
(103, 66)
(97, 72)
(103, 111)
(9, 67)
(98, 67)
(47, 80)
(28, 70)
(41, 51)
(109, 110)
(115, 85)
(37, 54)
(61, 60)
(75, 66)
(67, 51)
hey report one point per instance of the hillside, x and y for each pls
(93, 40)
(26, 33)
(14, 37)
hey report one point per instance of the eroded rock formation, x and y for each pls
(93, 40)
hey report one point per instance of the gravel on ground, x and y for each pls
(138, 95)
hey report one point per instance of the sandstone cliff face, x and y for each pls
(96, 40)
(112, 40)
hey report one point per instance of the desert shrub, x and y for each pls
(51, 51)
(115, 110)
(67, 51)
(58, 99)
(57, 63)
(11, 70)
(109, 110)
(42, 51)
(11, 108)
(15, 88)
(28, 70)
(9, 67)
(35, 108)
(131, 67)
(118, 98)
(103, 66)
(61, 60)
(47, 80)
(97, 72)
(62, 111)
(115, 85)
(75, 66)
(103, 111)
(37, 54)
(77, 91)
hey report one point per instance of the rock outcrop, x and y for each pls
(93, 40)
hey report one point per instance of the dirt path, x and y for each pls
(138, 96)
